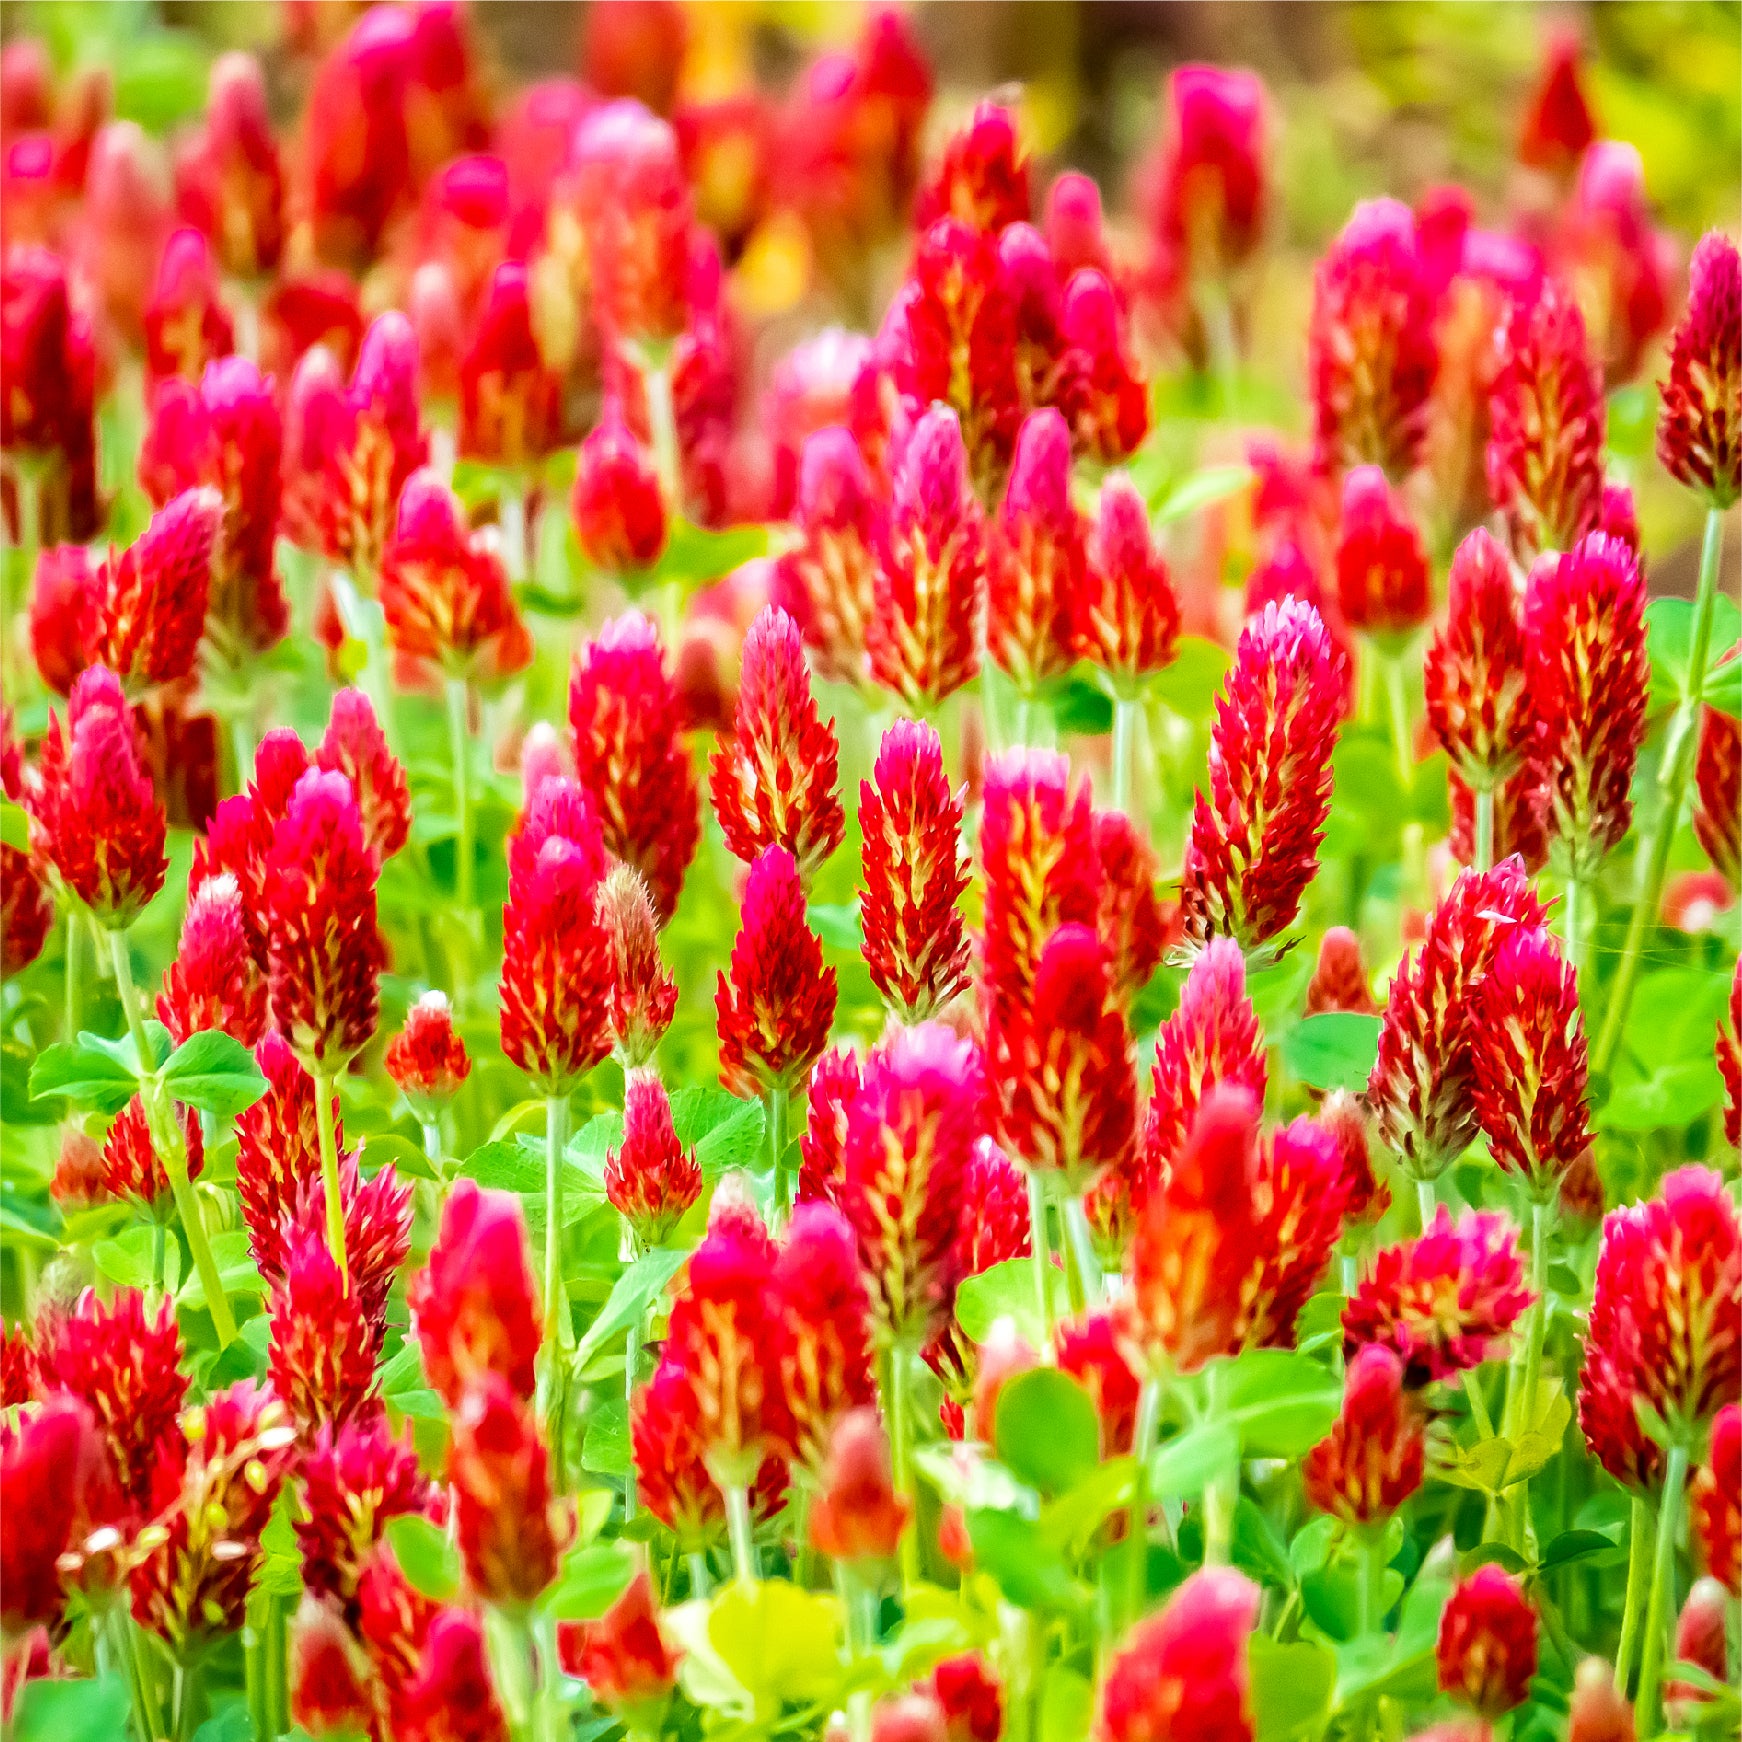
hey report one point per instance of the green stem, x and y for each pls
(459, 746)
(776, 1121)
(701, 1583)
(326, 1087)
(558, 1330)
(74, 997)
(1478, 1402)
(159, 1252)
(662, 424)
(1082, 1244)
(142, 1676)
(1124, 743)
(1633, 1605)
(1573, 923)
(738, 1528)
(1661, 1607)
(1674, 772)
(895, 1403)
(170, 1144)
(1542, 1222)
(1024, 718)
(1425, 1202)
(1041, 1255)
(1137, 1519)
(1222, 1490)
(1484, 828)
(1398, 702)
(1371, 1609)
(633, 1340)
(242, 747)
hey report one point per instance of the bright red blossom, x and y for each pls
(354, 1480)
(651, 1179)
(1372, 1459)
(132, 1167)
(324, 1345)
(355, 746)
(1487, 1642)
(1699, 429)
(214, 981)
(1718, 793)
(623, 1656)
(1383, 584)
(427, 1059)
(617, 504)
(643, 993)
(186, 323)
(857, 1514)
(1125, 615)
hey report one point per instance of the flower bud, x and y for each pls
(1487, 1643)
(857, 1514)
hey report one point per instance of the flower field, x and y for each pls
(846, 905)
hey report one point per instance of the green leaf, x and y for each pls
(215, 1072)
(391, 1149)
(505, 1167)
(589, 1581)
(1067, 1702)
(233, 1724)
(1579, 1545)
(1292, 1688)
(837, 924)
(89, 1076)
(1190, 1461)
(1673, 1014)
(779, 1642)
(1193, 678)
(1079, 705)
(430, 1562)
(695, 556)
(1015, 1553)
(1197, 491)
(72, 1711)
(1007, 1291)
(14, 826)
(236, 1269)
(1333, 1050)
(1672, 1097)
(1068, 1522)
(724, 1131)
(626, 1305)
(605, 1451)
(128, 1259)
(403, 1386)
(1281, 1403)
(1048, 1431)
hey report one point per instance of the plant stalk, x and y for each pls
(1040, 1254)
(662, 425)
(1149, 1400)
(895, 1403)
(460, 745)
(775, 1106)
(1675, 771)
(1372, 1588)
(1484, 828)
(558, 1330)
(74, 997)
(1638, 1574)
(1661, 1606)
(1426, 1202)
(1124, 751)
(1397, 701)
(738, 1528)
(326, 1087)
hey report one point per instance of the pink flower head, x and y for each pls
(98, 820)
(510, 397)
(857, 1514)
(1075, 226)
(930, 593)
(1037, 564)
(777, 1003)
(651, 1179)
(617, 504)
(995, 1223)
(983, 178)
(229, 180)
(1371, 1461)
(1665, 1336)
(226, 434)
(1478, 702)
(186, 323)
(671, 1478)
(1528, 1078)
(1588, 674)
(1598, 1710)
(355, 746)
(448, 1690)
(643, 993)
(1383, 584)
(1182, 1675)
(1549, 424)
(1212, 182)
(1339, 979)
(427, 1059)
(325, 951)
(1126, 615)
(324, 1346)
(630, 757)
(830, 1092)
(773, 781)
(53, 1466)
(445, 593)
(1132, 921)
(1419, 1090)
(910, 825)
(556, 956)
(473, 1307)
(1254, 837)
(1371, 356)
(623, 1657)
(133, 1169)
(1717, 815)
(1103, 391)
(904, 1170)
(1445, 1301)
(277, 1151)
(1558, 124)
(811, 389)
(1367, 1196)
(1729, 1051)
(355, 1479)
(1621, 263)
(1699, 429)
(214, 981)
(827, 583)
(1487, 1644)
(1715, 1501)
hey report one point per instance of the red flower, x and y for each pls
(904, 1169)
(1370, 1462)
(214, 1487)
(330, 1686)
(930, 591)
(1529, 1065)
(449, 1696)
(1557, 124)
(474, 1311)
(1037, 854)
(970, 1699)
(186, 323)
(277, 1151)
(822, 1332)
(66, 603)
(1367, 1196)
(827, 583)
(1212, 188)
(1255, 835)
(100, 823)
(444, 592)
(1103, 392)
(1126, 613)
(910, 826)
(651, 1180)
(17, 1364)
(228, 178)
(1588, 674)
(995, 1222)
(1182, 1675)
(1445, 1301)
(643, 993)
(1371, 355)
(1066, 1067)
(1487, 1644)
(623, 1657)
(830, 1092)
(214, 982)
(1715, 1501)
(131, 1166)
(1419, 1091)
(1718, 793)
(982, 180)
(1133, 923)
(1729, 1051)
(624, 713)
(556, 957)
(1383, 585)
(510, 398)
(1089, 1351)
(395, 1623)
(1477, 699)
(914, 1717)
(355, 746)
(355, 1479)
(1665, 1323)
(324, 1346)
(320, 306)
(1699, 429)
(427, 1059)
(857, 1514)
(1545, 448)
(773, 781)
(1598, 1710)
(1700, 1639)
(51, 1461)
(618, 508)
(776, 1006)
(511, 1530)
(1037, 565)
(325, 952)
(1339, 979)
(671, 1478)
